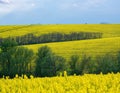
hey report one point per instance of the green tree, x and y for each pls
(74, 59)
(106, 63)
(20, 60)
(118, 59)
(82, 66)
(47, 63)
(59, 64)
(14, 60)
(5, 46)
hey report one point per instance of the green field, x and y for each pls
(108, 30)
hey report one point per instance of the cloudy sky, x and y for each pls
(59, 11)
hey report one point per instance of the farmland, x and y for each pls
(109, 43)
(91, 47)
(84, 75)
(109, 83)
(108, 30)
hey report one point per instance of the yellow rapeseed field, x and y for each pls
(109, 43)
(88, 83)
(108, 30)
(92, 47)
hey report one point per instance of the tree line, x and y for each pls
(20, 60)
(54, 37)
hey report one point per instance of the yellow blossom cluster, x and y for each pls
(88, 83)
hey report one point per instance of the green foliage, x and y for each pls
(60, 65)
(118, 59)
(54, 37)
(85, 59)
(14, 60)
(86, 64)
(43, 62)
(20, 61)
(74, 59)
(80, 65)
(106, 63)
(7, 44)
(48, 64)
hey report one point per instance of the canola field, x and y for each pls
(92, 47)
(109, 43)
(88, 83)
(108, 30)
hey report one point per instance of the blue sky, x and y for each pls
(59, 11)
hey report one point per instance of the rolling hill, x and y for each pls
(109, 43)
(91, 47)
(108, 30)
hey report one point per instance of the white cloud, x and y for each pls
(5, 1)
(8, 6)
